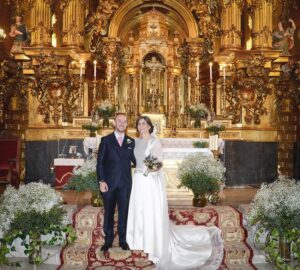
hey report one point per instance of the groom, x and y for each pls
(114, 174)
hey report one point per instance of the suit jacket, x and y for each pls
(114, 161)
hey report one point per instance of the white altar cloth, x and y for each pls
(68, 162)
(181, 153)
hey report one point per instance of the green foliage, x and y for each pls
(28, 213)
(200, 144)
(215, 128)
(33, 221)
(91, 127)
(272, 245)
(200, 183)
(85, 183)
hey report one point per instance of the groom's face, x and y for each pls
(121, 123)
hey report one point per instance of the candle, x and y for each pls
(95, 69)
(81, 69)
(210, 72)
(197, 75)
(224, 73)
(109, 69)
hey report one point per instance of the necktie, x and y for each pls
(120, 140)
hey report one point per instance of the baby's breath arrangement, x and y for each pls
(198, 112)
(201, 174)
(33, 210)
(106, 109)
(276, 210)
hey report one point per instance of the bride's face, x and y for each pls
(143, 127)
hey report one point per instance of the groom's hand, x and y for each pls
(103, 186)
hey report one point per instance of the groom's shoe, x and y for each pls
(106, 247)
(124, 246)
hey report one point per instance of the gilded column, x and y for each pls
(231, 25)
(40, 24)
(262, 26)
(73, 24)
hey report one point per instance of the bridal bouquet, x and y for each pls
(152, 163)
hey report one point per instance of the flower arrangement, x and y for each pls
(215, 128)
(198, 112)
(106, 109)
(276, 210)
(152, 163)
(203, 175)
(85, 179)
(33, 210)
(92, 128)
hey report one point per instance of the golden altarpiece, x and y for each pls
(152, 57)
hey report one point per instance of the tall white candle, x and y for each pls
(95, 69)
(197, 75)
(210, 72)
(109, 69)
(224, 73)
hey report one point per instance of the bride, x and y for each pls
(169, 246)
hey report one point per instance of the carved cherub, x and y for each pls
(283, 39)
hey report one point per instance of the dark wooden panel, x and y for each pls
(250, 163)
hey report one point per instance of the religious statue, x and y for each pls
(18, 31)
(283, 38)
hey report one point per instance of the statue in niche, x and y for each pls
(283, 38)
(18, 30)
(153, 82)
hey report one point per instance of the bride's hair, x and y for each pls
(148, 121)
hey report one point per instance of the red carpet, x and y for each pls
(85, 252)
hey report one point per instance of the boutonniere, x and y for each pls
(128, 141)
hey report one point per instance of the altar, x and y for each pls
(63, 168)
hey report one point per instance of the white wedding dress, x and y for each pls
(169, 246)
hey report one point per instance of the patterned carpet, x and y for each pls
(85, 252)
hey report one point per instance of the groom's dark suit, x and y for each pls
(114, 167)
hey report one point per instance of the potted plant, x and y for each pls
(215, 128)
(92, 128)
(198, 112)
(203, 175)
(106, 110)
(85, 179)
(33, 211)
(275, 211)
(200, 144)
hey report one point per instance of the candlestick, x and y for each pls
(197, 75)
(95, 69)
(210, 72)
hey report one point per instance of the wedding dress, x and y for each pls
(169, 246)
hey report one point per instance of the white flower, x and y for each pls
(278, 202)
(36, 197)
(105, 105)
(128, 141)
(88, 167)
(196, 163)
